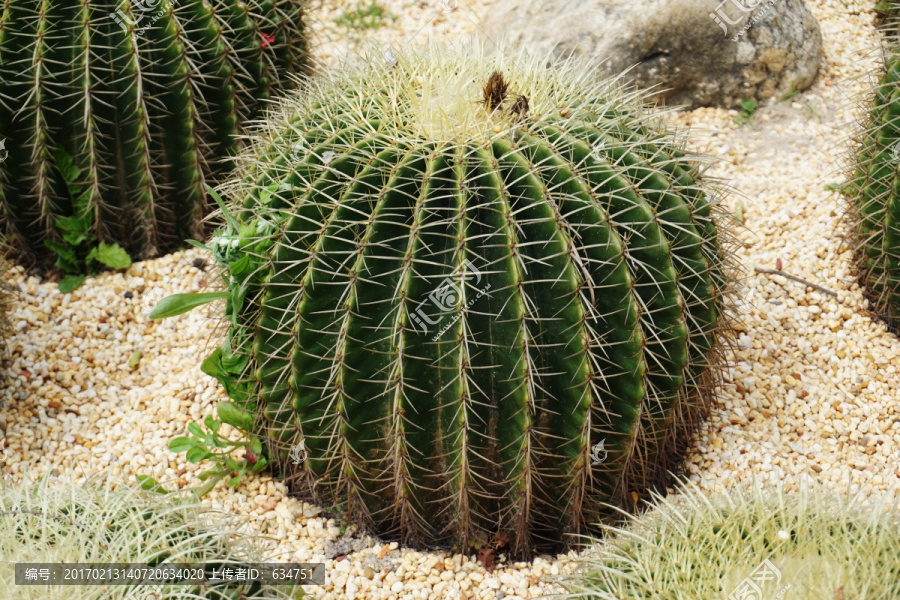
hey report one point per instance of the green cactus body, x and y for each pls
(874, 192)
(115, 113)
(475, 321)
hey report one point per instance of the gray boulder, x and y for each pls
(697, 52)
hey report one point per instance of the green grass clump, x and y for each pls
(59, 522)
(808, 545)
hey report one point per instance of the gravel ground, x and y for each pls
(812, 392)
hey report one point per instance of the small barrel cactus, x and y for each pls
(112, 115)
(101, 521)
(873, 191)
(470, 297)
(810, 544)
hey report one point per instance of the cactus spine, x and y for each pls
(873, 191)
(483, 295)
(114, 113)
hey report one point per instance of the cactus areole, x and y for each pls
(482, 295)
(114, 112)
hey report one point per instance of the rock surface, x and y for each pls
(692, 52)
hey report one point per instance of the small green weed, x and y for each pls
(205, 443)
(748, 109)
(79, 254)
(794, 91)
(364, 17)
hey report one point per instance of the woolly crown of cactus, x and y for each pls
(481, 295)
(809, 544)
(114, 113)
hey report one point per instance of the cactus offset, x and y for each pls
(454, 278)
(114, 114)
(874, 196)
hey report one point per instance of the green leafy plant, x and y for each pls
(56, 521)
(749, 543)
(206, 443)
(114, 115)
(873, 201)
(483, 295)
(79, 253)
(369, 16)
(748, 109)
(178, 304)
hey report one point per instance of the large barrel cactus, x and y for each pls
(114, 112)
(874, 185)
(470, 297)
